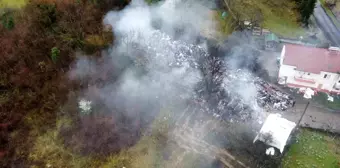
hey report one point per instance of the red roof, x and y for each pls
(310, 59)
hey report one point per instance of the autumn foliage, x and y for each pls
(32, 83)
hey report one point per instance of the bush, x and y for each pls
(7, 21)
(44, 30)
(55, 54)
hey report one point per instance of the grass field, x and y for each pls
(12, 3)
(281, 22)
(313, 150)
(278, 16)
(321, 98)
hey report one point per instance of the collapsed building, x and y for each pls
(227, 87)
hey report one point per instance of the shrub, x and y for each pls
(7, 21)
(35, 84)
(55, 54)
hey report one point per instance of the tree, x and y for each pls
(306, 9)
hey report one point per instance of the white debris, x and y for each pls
(85, 106)
(216, 115)
(270, 151)
(247, 23)
(308, 93)
(330, 98)
(282, 81)
(302, 90)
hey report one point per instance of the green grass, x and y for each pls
(330, 13)
(49, 151)
(313, 150)
(283, 28)
(281, 21)
(321, 98)
(224, 25)
(12, 3)
(278, 16)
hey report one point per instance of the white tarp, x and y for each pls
(279, 130)
(308, 93)
(330, 98)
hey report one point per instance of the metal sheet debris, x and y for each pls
(275, 131)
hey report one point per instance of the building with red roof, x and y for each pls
(310, 67)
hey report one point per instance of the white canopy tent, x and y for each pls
(275, 131)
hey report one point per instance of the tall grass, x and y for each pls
(12, 3)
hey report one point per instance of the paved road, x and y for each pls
(326, 25)
(315, 117)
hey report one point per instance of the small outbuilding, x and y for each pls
(275, 132)
(272, 41)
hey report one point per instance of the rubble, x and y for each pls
(222, 91)
(272, 98)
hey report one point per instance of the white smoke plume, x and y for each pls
(153, 64)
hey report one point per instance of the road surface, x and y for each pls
(326, 25)
(316, 117)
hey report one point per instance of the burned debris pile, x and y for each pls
(223, 90)
(271, 97)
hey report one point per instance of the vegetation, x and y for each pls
(49, 151)
(38, 45)
(12, 3)
(224, 24)
(7, 21)
(152, 150)
(313, 149)
(157, 150)
(281, 17)
(326, 4)
(322, 98)
(306, 9)
(36, 52)
(55, 54)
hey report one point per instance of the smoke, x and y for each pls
(159, 61)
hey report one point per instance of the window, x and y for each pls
(325, 76)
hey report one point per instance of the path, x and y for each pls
(326, 25)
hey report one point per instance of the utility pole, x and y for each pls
(303, 114)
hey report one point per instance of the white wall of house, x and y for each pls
(328, 80)
(323, 80)
(289, 72)
(282, 55)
